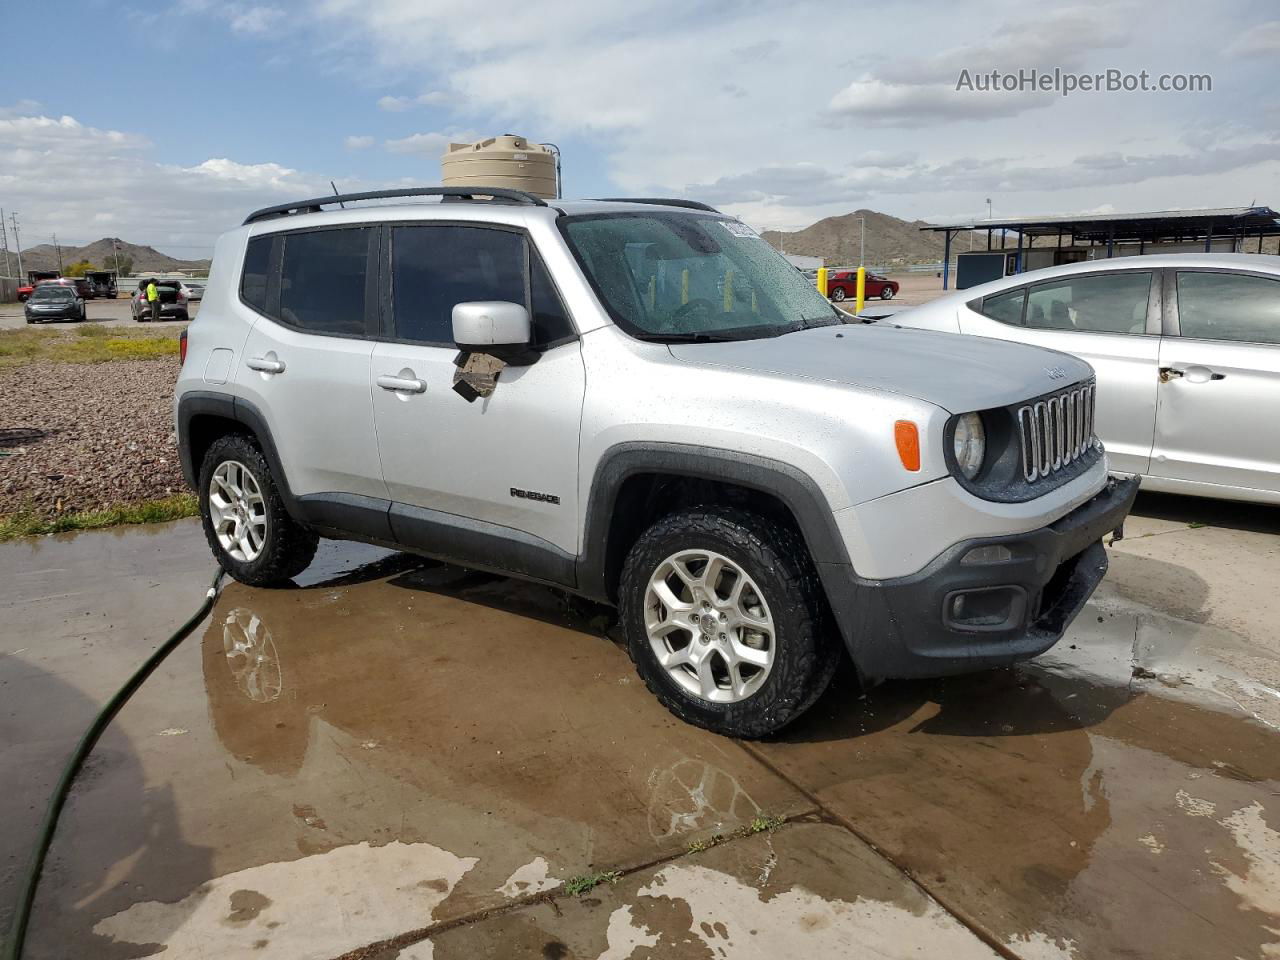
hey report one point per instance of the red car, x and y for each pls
(843, 285)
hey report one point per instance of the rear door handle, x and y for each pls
(265, 365)
(401, 384)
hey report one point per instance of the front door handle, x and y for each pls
(1193, 374)
(401, 383)
(265, 364)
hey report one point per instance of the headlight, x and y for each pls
(969, 444)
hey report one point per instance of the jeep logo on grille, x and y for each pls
(1056, 373)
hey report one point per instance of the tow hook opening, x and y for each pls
(985, 608)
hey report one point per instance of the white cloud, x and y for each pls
(429, 144)
(250, 19)
(400, 104)
(357, 142)
(876, 103)
(80, 182)
(1262, 40)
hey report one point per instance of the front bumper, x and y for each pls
(1006, 604)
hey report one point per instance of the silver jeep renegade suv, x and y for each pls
(641, 402)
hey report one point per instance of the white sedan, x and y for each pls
(1186, 349)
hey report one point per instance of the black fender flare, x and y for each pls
(228, 407)
(792, 486)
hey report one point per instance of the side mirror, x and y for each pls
(495, 327)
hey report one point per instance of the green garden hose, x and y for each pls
(22, 911)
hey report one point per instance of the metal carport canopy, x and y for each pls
(1121, 227)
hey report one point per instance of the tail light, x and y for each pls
(182, 348)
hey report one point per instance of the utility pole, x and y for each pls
(59, 252)
(862, 249)
(115, 252)
(17, 241)
(4, 236)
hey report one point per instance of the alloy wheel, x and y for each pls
(709, 626)
(238, 510)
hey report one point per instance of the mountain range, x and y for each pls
(100, 253)
(890, 241)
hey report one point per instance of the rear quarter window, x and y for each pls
(253, 279)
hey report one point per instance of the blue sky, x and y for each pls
(165, 122)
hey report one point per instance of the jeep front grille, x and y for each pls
(1056, 431)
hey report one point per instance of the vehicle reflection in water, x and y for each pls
(694, 796)
(492, 718)
(251, 656)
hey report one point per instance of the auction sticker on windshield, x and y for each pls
(738, 228)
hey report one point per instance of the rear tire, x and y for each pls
(251, 534)
(766, 567)
(838, 294)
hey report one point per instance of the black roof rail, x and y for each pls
(661, 201)
(448, 193)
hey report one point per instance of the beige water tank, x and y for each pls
(507, 161)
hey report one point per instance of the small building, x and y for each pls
(1018, 244)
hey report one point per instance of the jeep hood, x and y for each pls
(958, 373)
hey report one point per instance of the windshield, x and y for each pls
(679, 276)
(53, 293)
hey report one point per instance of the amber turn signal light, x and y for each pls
(907, 437)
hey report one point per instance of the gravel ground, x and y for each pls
(107, 435)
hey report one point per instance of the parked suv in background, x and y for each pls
(643, 403)
(1187, 349)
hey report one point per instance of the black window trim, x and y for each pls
(1156, 296)
(275, 266)
(386, 322)
(378, 303)
(1173, 327)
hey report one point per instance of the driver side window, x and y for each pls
(433, 268)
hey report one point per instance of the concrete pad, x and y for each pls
(78, 613)
(807, 890)
(1063, 817)
(332, 765)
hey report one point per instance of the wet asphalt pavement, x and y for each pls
(403, 759)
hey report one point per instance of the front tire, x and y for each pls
(838, 294)
(725, 620)
(251, 534)
(886, 293)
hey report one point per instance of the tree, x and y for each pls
(126, 266)
(79, 269)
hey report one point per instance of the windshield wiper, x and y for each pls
(689, 337)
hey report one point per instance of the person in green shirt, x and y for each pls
(153, 300)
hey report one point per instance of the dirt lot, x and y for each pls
(78, 436)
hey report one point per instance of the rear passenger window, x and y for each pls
(253, 281)
(434, 268)
(1110, 303)
(322, 280)
(1005, 307)
(1225, 306)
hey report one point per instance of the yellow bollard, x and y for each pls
(728, 292)
(684, 286)
(862, 291)
(822, 280)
